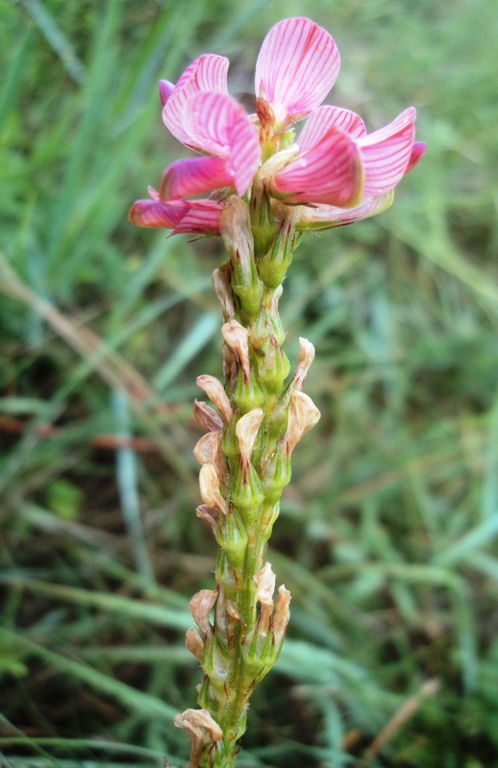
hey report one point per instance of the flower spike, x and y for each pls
(259, 188)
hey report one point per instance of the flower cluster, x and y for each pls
(334, 172)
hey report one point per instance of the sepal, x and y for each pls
(248, 394)
(247, 493)
(232, 538)
(274, 368)
(273, 266)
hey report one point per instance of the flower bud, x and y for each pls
(208, 451)
(303, 415)
(209, 514)
(247, 430)
(194, 643)
(223, 289)
(235, 335)
(206, 416)
(201, 730)
(200, 605)
(210, 488)
(214, 390)
(232, 538)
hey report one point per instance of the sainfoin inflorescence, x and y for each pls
(259, 186)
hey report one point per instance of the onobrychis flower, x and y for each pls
(334, 173)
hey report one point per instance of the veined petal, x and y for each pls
(154, 214)
(327, 117)
(194, 176)
(321, 217)
(223, 128)
(203, 218)
(330, 172)
(297, 66)
(165, 90)
(207, 73)
(386, 153)
(418, 151)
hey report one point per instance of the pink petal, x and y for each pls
(330, 172)
(165, 90)
(194, 176)
(326, 117)
(418, 151)
(207, 73)
(386, 153)
(326, 216)
(297, 66)
(223, 128)
(154, 194)
(154, 214)
(202, 218)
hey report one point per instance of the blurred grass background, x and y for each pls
(387, 533)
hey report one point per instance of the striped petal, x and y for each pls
(330, 172)
(207, 73)
(195, 217)
(195, 176)
(327, 117)
(297, 66)
(418, 151)
(203, 218)
(154, 214)
(165, 90)
(223, 128)
(326, 216)
(386, 153)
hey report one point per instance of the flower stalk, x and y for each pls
(246, 463)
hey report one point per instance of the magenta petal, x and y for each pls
(207, 73)
(297, 66)
(330, 172)
(386, 153)
(418, 151)
(195, 176)
(326, 117)
(203, 217)
(154, 214)
(165, 90)
(222, 127)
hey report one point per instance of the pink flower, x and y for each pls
(333, 165)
